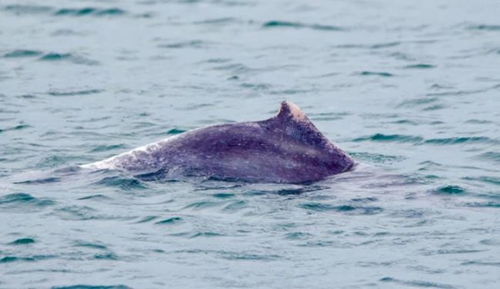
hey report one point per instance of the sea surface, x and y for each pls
(411, 89)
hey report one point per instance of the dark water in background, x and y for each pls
(409, 88)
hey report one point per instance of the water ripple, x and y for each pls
(450, 190)
(56, 57)
(321, 207)
(27, 9)
(85, 11)
(22, 53)
(10, 259)
(390, 138)
(17, 200)
(485, 27)
(169, 221)
(92, 287)
(75, 93)
(89, 11)
(23, 241)
(460, 140)
(418, 283)
(369, 46)
(420, 66)
(481, 263)
(186, 44)
(288, 24)
(105, 148)
(379, 137)
(122, 183)
(376, 73)
(490, 156)
(376, 158)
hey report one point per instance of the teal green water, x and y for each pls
(409, 89)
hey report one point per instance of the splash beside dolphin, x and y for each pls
(286, 148)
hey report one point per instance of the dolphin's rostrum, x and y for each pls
(286, 148)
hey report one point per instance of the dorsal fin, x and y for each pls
(291, 110)
(293, 122)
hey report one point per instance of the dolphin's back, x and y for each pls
(286, 148)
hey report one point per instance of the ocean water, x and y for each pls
(411, 89)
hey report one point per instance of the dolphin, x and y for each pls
(286, 148)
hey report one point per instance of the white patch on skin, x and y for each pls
(109, 163)
(296, 112)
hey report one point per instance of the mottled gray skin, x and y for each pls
(286, 148)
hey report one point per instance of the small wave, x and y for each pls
(481, 263)
(106, 256)
(376, 158)
(10, 259)
(89, 11)
(369, 46)
(376, 73)
(485, 27)
(364, 200)
(420, 66)
(409, 213)
(55, 57)
(418, 101)
(39, 181)
(384, 45)
(256, 86)
(288, 24)
(477, 121)
(185, 44)
(176, 131)
(217, 21)
(17, 127)
(458, 92)
(235, 68)
(56, 161)
(390, 138)
(146, 219)
(126, 184)
(17, 199)
(223, 195)
(328, 116)
(417, 283)
(460, 140)
(450, 251)
(321, 207)
(235, 206)
(23, 241)
(434, 107)
(83, 213)
(450, 190)
(286, 191)
(105, 148)
(485, 179)
(22, 53)
(298, 236)
(205, 234)
(27, 96)
(419, 140)
(297, 191)
(91, 245)
(76, 92)
(491, 156)
(201, 205)
(170, 221)
(92, 287)
(483, 204)
(27, 9)
(248, 256)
